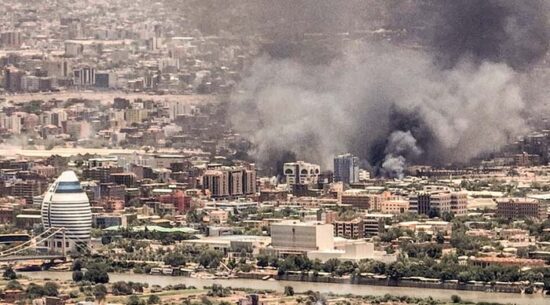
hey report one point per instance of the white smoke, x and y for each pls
(394, 166)
(400, 145)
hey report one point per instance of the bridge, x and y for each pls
(20, 251)
(49, 257)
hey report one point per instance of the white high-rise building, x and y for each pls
(67, 206)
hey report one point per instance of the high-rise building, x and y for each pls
(84, 76)
(346, 169)
(224, 181)
(10, 39)
(13, 79)
(301, 172)
(67, 206)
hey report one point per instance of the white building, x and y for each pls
(292, 236)
(67, 206)
(301, 172)
(352, 250)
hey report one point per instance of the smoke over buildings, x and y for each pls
(458, 96)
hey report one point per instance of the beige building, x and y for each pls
(230, 181)
(520, 208)
(361, 199)
(459, 203)
(426, 202)
(429, 227)
(394, 207)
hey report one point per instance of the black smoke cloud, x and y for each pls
(456, 96)
(507, 31)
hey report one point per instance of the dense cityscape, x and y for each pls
(274, 152)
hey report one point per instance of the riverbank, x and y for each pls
(482, 287)
(336, 288)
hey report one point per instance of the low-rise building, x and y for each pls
(350, 229)
(294, 237)
(513, 208)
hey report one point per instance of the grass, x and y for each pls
(170, 293)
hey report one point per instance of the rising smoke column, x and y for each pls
(458, 99)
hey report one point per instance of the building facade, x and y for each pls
(67, 206)
(301, 172)
(346, 169)
(350, 229)
(513, 208)
(430, 202)
(292, 236)
(230, 181)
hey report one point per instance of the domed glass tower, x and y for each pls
(67, 206)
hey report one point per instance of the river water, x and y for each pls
(443, 294)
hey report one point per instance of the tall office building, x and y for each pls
(13, 79)
(84, 76)
(346, 169)
(67, 206)
(225, 181)
(11, 39)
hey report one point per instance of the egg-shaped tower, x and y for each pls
(67, 206)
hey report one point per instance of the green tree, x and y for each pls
(262, 260)
(153, 299)
(432, 213)
(219, 291)
(289, 291)
(133, 300)
(331, 265)
(100, 292)
(97, 273)
(175, 259)
(122, 288)
(77, 265)
(51, 289)
(396, 270)
(78, 276)
(210, 259)
(9, 274)
(35, 291)
(440, 238)
(13, 285)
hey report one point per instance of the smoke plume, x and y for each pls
(449, 101)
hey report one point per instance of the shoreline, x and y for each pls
(323, 287)
(485, 287)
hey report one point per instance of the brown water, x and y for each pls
(443, 294)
